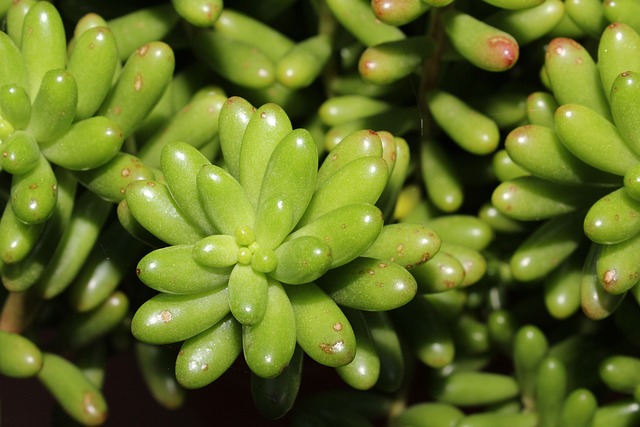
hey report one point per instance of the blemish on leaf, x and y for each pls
(332, 348)
(610, 277)
(166, 316)
(337, 326)
(138, 81)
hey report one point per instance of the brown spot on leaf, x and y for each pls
(33, 186)
(610, 277)
(331, 348)
(166, 316)
(138, 82)
(337, 326)
(327, 348)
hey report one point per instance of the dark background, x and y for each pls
(227, 401)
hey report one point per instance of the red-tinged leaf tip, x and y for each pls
(506, 50)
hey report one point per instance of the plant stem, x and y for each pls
(431, 66)
(327, 26)
(18, 311)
